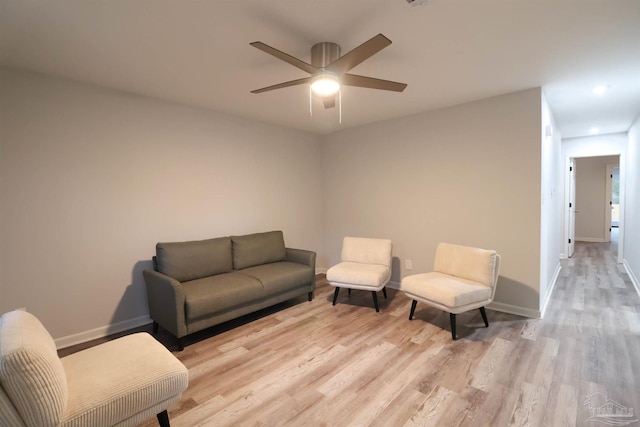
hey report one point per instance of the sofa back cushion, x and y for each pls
(186, 261)
(477, 265)
(31, 373)
(367, 251)
(257, 249)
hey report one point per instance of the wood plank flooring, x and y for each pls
(314, 364)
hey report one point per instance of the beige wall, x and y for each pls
(552, 203)
(632, 206)
(591, 201)
(469, 174)
(91, 179)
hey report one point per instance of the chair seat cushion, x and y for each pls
(361, 276)
(114, 381)
(444, 290)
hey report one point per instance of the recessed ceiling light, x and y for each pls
(594, 131)
(600, 89)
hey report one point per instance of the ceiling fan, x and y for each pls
(328, 70)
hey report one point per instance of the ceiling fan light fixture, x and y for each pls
(325, 84)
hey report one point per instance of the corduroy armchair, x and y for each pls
(118, 383)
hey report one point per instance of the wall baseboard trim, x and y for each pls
(632, 276)
(591, 239)
(515, 309)
(393, 285)
(552, 287)
(101, 332)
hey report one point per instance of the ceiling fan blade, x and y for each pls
(285, 84)
(371, 83)
(329, 102)
(359, 54)
(286, 57)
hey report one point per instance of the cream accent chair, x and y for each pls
(119, 383)
(464, 278)
(366, 265)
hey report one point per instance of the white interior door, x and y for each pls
(609, 203)
(572, 207)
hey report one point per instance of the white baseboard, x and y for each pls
(101, 332)
(515, 309)
(393, 285)
(591, 239)
(554, 281)
(632, 276)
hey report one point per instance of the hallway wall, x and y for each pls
(591, 200)
(632, 206)
(599, 145)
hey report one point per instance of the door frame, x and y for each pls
(567, 231)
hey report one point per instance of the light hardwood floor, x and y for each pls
(311, 363)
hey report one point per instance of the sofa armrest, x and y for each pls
(302, 256)
(166, 302)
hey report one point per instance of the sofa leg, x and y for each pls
(384, 292)
(375, 301)
(413, 309)
(311, 296)
(349, 291)
(181, 344)
(335, 295)
(452, 318)
(155, 327)
(163, 419)
(484, 316)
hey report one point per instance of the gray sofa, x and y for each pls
(199, 284)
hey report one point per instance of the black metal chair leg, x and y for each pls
(375, 300)
(452, 318)
(163, 419)
(484, 316)
(384, 292)
(413, 309)
(335, 295)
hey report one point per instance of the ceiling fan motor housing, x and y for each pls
(323, 54)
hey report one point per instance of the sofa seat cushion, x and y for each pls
(257, 249)
(445, 290)
(355, 273)
(114, 381)
(280, 276)
(186, 261)
(206, 296)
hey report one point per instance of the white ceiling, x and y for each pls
(197, 52)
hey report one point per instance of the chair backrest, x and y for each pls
(478, 265)
(31, 374)
(367, 251)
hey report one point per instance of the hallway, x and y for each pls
(595, 312)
